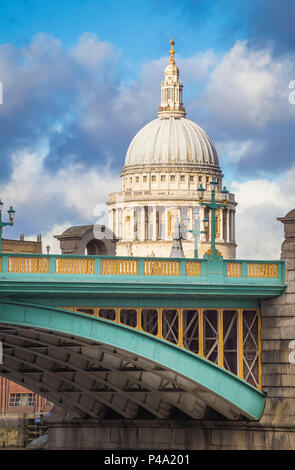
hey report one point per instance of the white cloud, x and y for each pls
(48, 238)
(41, 194)
(258, 234)
(91, 52)
(250, 85)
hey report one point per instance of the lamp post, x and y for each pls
(195, 231)
(213, 206)
(11, 213)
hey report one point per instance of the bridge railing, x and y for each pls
(202, 270)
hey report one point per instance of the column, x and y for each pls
(131, 212)
(141, 231)
(146, 222)
(228, 226)
(154, 222)
(221, 222)
(112, 221)
(166, 224)
(231, 226)
(117, 223)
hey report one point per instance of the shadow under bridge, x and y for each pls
(92, 367)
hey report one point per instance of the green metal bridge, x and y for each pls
(135, 337)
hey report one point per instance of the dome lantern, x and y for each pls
(171, 90)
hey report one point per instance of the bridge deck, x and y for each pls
(144, 276)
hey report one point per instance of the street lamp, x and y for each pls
(195, 231)
(11, 213)
(213, 206)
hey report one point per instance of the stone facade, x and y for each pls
(144, 221)
(278, 330)
(87, 240)
(170, 435)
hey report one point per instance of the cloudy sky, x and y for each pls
(81, 77)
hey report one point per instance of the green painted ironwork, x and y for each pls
(195, 231)
(224, 384)
(213, 206)
(11, 213)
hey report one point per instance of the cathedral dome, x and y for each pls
(172, 140)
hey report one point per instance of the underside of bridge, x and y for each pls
(93, 368)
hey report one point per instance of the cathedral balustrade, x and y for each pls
(174, 193)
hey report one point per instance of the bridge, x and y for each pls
(135, 337)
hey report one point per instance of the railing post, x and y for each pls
(4, 263)
(52, 265)
(97, 266)
(182, 267)
(281, 271)
(140, 267)
(244, 269)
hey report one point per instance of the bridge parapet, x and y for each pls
(199, 271)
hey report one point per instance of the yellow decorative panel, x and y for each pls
(119, 266)
(74, 266)
(262, 270)
(28, 265)
(233, 269)
(193, 268)
(161, 268)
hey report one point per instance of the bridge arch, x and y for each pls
(90, 365)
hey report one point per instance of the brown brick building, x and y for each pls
(16, 400)
(22, 245)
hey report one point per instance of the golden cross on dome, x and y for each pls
(172, 52)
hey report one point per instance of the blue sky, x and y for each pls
(80, 77)
(137, 27)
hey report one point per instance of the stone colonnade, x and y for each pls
(156, 222)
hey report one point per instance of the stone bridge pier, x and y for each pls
(277, 334)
